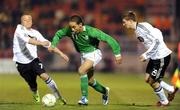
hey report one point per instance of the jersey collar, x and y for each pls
(25, 27)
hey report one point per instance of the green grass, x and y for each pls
(124, 91)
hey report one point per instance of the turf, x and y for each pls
(127, 92)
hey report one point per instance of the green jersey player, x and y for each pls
(86, 40)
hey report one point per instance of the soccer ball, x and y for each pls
(49, 100)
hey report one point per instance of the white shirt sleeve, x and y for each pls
(42, 39)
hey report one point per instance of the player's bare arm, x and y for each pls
(36, 42)
(60, 53)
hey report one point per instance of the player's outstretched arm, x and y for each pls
(110, 41)
(36, 42)
(60, 53)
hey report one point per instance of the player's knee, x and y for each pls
(91, 82)
(44, 76)
(150, 81)
(81, 71)
(146, 80)
(155, 85)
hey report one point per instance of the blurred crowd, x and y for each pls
(51, 15)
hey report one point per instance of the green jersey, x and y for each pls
(88, 40)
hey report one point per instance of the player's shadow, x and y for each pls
(137, 105)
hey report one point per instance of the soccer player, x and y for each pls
(157, 53)
(86, 40)
(25, 42)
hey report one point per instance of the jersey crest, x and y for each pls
(86, 37)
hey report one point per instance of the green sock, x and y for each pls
(84, 85)
(98, 87)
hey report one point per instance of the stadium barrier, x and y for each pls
(7, 66)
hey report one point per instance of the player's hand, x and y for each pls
(141, 58)
(118, 59)
(57, 51)
(45, 43)
(65, 57)
(50, 49)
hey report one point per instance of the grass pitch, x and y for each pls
(127, 92)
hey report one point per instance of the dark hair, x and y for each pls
(77, 19)
(130, 16)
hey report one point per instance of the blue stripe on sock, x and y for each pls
(48, 80)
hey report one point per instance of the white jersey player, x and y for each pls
(24, 52)
(158, 54)
(28, 64)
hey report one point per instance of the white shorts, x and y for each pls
(94, 56)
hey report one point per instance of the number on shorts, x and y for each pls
(154, 73)
(41, 65)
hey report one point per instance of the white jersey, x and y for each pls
(23, 51)
(152, 39)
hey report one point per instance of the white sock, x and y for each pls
(52, 85)
(167, 87)
(160, 93)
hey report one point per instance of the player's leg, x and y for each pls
(163, 84)
(83, 69)
(159, 91)
(157, 88)
(94, 83)
(39, 70)
(30, 78)
(33, 84)
(98, 87)
(152, 79)
(52, 85)
(88, 61)
(170, 89)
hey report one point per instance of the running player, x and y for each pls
(157, 53)
(25, 42)
(86, 40)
